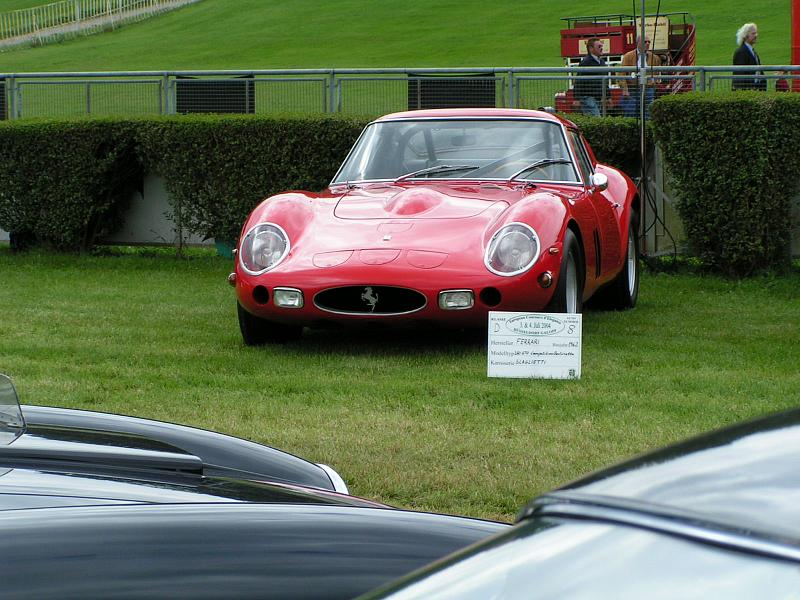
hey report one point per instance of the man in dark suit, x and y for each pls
(746, 54)
(591, 89)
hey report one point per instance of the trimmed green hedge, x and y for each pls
(62, 183)
(217, 168)
(734, 160)
(614, 140)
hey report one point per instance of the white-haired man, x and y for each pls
(746, 54)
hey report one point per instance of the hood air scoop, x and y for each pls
(410, 203)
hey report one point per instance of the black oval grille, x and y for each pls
(370, 300)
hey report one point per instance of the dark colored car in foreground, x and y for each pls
(100, 506)
(717, 516)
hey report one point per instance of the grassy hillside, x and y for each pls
(9, 5)
(260, 34)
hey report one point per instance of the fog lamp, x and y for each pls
(456, 299)
(287, 298)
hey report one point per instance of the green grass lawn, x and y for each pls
(409, 419)
(262, 34)
(10, 5)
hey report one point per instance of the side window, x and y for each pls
(580, 153)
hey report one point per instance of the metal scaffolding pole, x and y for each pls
(642, 64)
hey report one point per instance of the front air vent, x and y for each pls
(370, 300)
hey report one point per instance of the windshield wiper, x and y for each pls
(540, 163)
(436, 169)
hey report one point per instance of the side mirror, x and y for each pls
(599, 181)
(12, 423)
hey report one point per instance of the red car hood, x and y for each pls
(430, 201)
(410, 223)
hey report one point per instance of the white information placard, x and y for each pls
(534, 345)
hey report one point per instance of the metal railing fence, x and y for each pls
(67, 17)
(360, 91)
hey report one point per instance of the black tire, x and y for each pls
(622, 292)
(568, 295)
(257, 332)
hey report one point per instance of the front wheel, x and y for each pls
(568, 295)
(257, 331)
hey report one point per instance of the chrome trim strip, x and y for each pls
(369, 314)
(676, 522)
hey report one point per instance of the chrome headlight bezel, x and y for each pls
(504, 235)
(246, 248)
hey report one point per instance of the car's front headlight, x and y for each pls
(263, 247)
(512, 250)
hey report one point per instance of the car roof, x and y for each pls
(462, 113)
(77, 458)
(222, 550)
(220, 454)
(742, 477)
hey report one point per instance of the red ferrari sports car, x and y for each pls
(440, 216)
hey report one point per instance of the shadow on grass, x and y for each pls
(388, 341)
(377, 339)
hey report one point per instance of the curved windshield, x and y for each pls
(524, 149)
(547, 560)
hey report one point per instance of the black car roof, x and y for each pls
(56, 465)
(221, 454)
(228, 550)
(743, 478)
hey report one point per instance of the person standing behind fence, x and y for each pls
(629, 83)
(591, 88)
(745, 54)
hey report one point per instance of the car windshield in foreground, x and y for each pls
(496, 149)
(548, 558)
